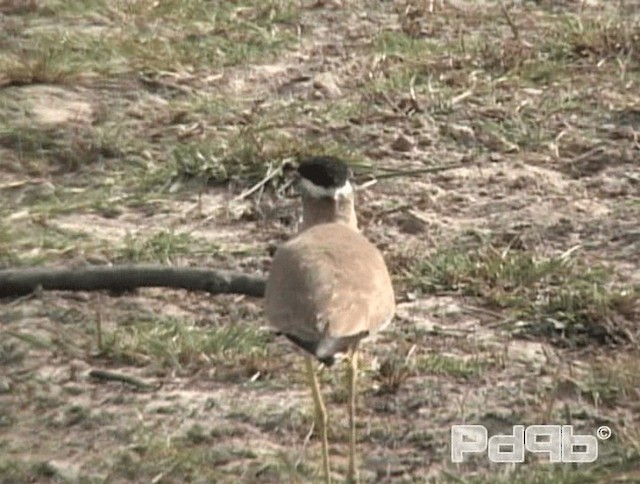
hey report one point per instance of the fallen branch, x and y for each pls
(391, 173)
(19, 282)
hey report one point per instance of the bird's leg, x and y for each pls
(352, 476)
(321, 416)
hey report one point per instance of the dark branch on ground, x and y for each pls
(20, 282)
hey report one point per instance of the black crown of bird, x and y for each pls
(324, 175)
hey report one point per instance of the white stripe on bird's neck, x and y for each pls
(317, 191)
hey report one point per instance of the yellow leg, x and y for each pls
(321, 417)
(352, 372)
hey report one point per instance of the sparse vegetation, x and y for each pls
(450, 366)
(182, 345)
(544, 295)
(131, 132)
(160, 247)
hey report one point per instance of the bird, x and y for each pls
(329, 287)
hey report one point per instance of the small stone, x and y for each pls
(403, 143)
(5, 385)
(326, 84)
(411, 224)
(64, 470)
(461, 133)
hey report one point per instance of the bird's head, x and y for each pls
(324, 177)
(326, 191)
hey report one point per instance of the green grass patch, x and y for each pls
(178, 459)
(437, 364)
(394, 371)
(30, 244)
(614, 382)
(436, 57)
(146, 35)
(37, 242)
(44, 150)
(406, 63)
(547, 294)
(173, 343)
(163, 247)
(245, 157)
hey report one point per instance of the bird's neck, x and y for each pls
(317, 211)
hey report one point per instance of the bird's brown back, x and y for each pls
(329, 281)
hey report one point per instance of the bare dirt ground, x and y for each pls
(505, 141)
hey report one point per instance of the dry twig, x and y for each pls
(512, 25)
